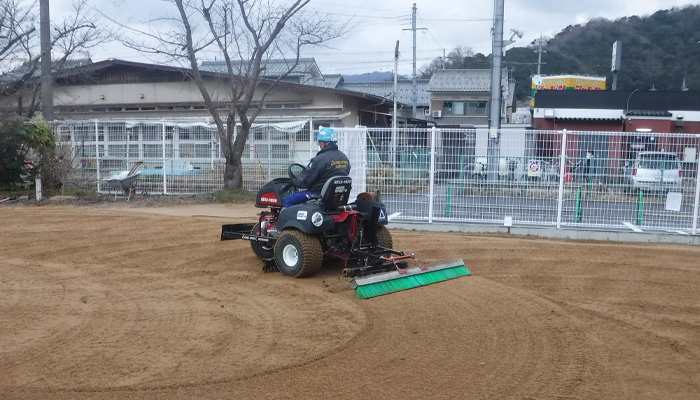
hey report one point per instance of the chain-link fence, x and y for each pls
(629, 180)
(180, 156)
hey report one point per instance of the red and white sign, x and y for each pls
(533, 168)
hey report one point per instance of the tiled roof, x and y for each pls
(25, 67)
(649, 113)
(462, 80)
(328, 81)
(386, 90)
(273, 68)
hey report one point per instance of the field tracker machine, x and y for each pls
(296, 240)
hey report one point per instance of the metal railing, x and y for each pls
(525, 177)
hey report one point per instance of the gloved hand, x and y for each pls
(298, 183)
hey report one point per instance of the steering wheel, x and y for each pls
(295, 172)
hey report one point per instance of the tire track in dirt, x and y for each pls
(157, 304)
(453, 340)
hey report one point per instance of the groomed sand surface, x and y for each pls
(148, 303)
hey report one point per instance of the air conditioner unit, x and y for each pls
(437, 114)
(427, 112)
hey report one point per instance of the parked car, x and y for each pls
(655, 170)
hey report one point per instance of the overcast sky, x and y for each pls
(443, 24)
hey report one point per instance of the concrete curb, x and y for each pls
(552, 233)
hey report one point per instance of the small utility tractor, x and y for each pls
(296, 240)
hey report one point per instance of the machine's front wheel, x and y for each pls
(298, 254)
(265, 252)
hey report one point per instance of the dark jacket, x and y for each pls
(329, 162)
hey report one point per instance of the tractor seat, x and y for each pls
(336, 193)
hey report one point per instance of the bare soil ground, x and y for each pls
(112, 300)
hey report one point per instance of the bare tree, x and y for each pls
(17, 24)
(246, 34)
(20, 52)
(456, 59)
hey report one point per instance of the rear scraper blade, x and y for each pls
(389, 282)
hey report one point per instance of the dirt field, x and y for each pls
(148, 303)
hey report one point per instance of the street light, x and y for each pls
(627, 109)
(514, 33)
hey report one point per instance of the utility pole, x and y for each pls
(493, 151)
(393, 120)
(46, 74)
(540, 51)
(414, 93)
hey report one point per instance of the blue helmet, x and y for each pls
(327, 135)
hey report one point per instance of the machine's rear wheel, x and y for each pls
(265, 252)
(384, 238)
(298, 254)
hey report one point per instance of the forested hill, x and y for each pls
(658, 51)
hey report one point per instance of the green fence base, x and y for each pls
(577, 217)
(640, 207)
(447, 214)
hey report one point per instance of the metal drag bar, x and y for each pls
(388, 276)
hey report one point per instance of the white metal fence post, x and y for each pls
(562, 168)
(431, 176)
(126, 131)
(697, 198)
(311, 138)
(97, 155)
(165, 180)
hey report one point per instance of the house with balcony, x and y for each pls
(462, 97)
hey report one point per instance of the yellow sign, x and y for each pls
(565, 82)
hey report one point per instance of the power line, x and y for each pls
(354, 6)
(457, 20)
(360, 16)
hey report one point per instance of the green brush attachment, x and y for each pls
(390, 282)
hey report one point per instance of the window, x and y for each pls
(152, 151)
(89, 151)
(169, 151)
(186, 150)
(477, 108)
(84, 133)
(447, 108)
(133, 151)
(184, 133)
(116, 132)
(116, 150)
(202, 151)
(111, 164)
(151, 132)
(465, 108)
(203, 133)
(169, 132)
(272, 151)
(303, 135)
(64, 134)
